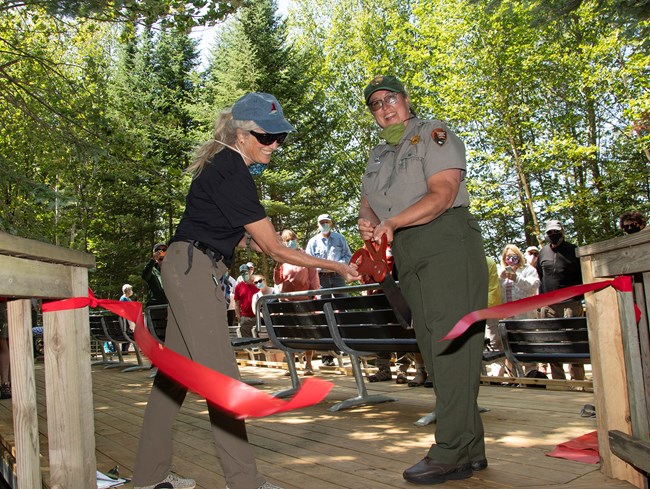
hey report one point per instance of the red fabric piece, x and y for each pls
(230, 395)
(622, 283)
(582, 449)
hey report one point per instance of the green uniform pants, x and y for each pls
(443, 275)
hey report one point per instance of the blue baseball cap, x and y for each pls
(264, 110)
(244, 268)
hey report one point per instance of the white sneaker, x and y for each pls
(175, 481)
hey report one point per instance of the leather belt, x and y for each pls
(207, 250)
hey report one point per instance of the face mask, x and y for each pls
(393, 134)
(225, 275)
(555, 238)
(324, 228)
(256, 168)
(245, 277)
(512, 260)
(631, 229)
(259, 285)
(292, 243)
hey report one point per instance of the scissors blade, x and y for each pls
(397, 301)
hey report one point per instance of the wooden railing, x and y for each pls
(31, 269)
(620, 353)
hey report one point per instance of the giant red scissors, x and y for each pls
(371, 260)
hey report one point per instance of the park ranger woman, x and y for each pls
(414, 192)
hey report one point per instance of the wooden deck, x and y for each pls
(367, 447)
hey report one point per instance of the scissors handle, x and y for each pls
(372, 261)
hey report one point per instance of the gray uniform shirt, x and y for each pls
(396, 176)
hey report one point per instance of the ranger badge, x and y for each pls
(439, 135)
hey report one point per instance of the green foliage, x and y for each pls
(99, 119)
(181, 14)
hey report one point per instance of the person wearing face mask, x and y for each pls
(330, 245)
(414, 193)
(262, 289)
(222, 211)
(251, 270)
(632, 222)
(244, 311)
(292, 278)
(517, 278)
(559, 267)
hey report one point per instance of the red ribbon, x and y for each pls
(622, 283)
(236, 398)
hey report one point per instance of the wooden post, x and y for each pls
(70, 425)
(33, 269)
(23, 395)
(620, 362)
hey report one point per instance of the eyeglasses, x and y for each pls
(534, 253)
(267, 139)
(390, 99)
(260, 281)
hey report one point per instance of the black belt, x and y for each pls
(210, 252)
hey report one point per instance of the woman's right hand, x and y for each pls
(349, 272)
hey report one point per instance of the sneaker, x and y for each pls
(328, 361)
(419, 379)
(5, 391)
(382, 375)
(172, 481)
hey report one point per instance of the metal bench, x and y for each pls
(108, 327)
(359, 325)
(562, 340)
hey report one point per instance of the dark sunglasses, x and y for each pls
(267, 139)
(534, 253)
(260, 281)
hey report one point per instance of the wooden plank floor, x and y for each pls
(363, 448)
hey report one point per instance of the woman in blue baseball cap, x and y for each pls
(222, 211)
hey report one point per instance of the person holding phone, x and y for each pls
(517, 278)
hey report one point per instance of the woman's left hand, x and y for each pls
(384, 228)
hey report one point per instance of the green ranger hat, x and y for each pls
(381, 82)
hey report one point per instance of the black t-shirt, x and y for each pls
(559, 267)
(221, 200)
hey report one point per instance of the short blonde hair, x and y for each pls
(126, 288)
(514, 249)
